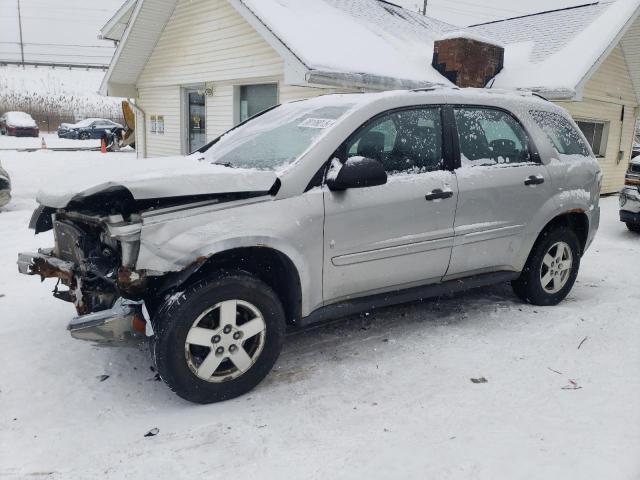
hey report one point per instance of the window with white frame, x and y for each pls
(596, 133)
(253, 99)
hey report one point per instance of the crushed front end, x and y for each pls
(93, 259)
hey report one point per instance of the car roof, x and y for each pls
(509, 99)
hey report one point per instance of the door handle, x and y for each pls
(438, 194)
(534, 180)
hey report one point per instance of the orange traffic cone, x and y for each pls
(44, 144)
(103, 146)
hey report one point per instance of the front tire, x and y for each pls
(219, 338)
(551, 269)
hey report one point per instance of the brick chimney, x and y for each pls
(467, 62)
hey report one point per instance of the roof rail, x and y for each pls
(433, 87)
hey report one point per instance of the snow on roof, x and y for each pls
(19, 119)
(554, 51)
(356, 36)
(373, 43)
(115, 27)
(469, 35)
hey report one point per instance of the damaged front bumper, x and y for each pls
(124, 324)
(45, 265)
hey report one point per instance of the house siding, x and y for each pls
(605, 94)
(206, 43)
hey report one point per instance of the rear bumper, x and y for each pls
(23, 132)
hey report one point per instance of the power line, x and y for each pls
(58, 45)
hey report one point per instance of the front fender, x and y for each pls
(292, 226)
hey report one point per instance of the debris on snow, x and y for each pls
(555, 371)
(573, 385)
(102, 378)
(479, 380)
(152, 433)
(583, 340)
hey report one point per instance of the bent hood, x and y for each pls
(148, 179)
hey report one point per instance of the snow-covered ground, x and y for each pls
(51, 140)
(385, 395)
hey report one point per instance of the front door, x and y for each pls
(196, 121)
(396, 235)
(502, 185)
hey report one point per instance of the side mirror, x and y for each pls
(356, 172)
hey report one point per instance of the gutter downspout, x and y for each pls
(144, 125)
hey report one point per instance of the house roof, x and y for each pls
(115, 27)
(376, 44)
(354, 36)
(556, 52)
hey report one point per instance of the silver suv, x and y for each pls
(318, 209)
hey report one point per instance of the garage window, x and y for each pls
(596, 134)
(253, 99)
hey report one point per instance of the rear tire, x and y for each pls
(551, 269)
(219, 338)
(634, 227)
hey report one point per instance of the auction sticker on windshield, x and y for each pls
(317, 123)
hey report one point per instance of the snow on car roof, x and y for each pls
(20, 119)
(376, 38)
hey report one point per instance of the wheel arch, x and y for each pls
(270, 265)
(575, 219)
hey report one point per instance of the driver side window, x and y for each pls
(406, 141)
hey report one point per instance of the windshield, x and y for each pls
(276, 138)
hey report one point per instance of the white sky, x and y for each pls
(468, 12)
(64, 31)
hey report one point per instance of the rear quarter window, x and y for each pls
(562, 134)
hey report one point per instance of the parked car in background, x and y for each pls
(630, 197)
(5, 187)
(318, 209)
(90, 128)
(18, 124)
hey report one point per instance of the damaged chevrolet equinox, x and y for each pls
(318, 209)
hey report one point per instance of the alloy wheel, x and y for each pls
(556, 267)
(225, 341)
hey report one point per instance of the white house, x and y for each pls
(197, 67)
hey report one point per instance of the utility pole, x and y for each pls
(424, 8)
(20, 29)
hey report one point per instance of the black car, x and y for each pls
(90, 128)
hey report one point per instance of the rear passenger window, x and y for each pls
(489, 137)
(407, 141)
(561, 133)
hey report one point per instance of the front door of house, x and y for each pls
(196, 121)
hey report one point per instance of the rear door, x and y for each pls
(400, 234)
(502, 184)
